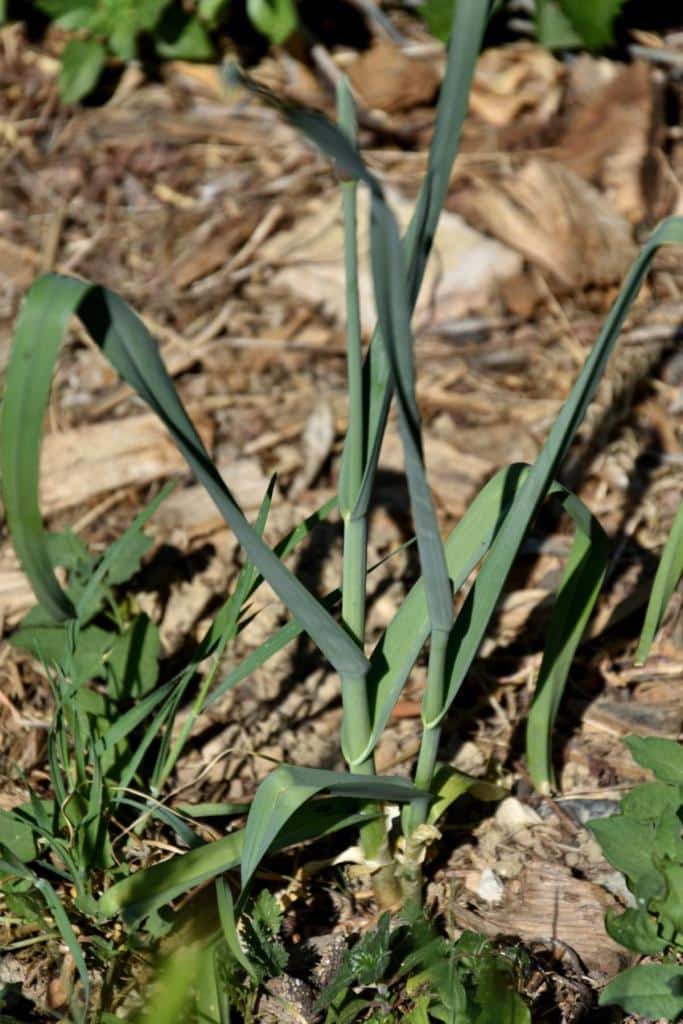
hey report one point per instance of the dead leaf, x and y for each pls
(318, 438)
(214, 252)
(555, 218)
(516, 79)
(614, 160)
(386, 79)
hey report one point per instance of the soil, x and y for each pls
(219, 225)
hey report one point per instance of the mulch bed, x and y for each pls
(221, 227)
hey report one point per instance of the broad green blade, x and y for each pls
(127, 344)
(41, 325)
(472, 622)
(449, 785)
(470, 19)
(287, 789)
(149, 889)
(172, 995)
(669, 572)
(146, 890)
(226, 911)
(212, 810)
(351, 474)
(397, 651)
(583, 578)
(389, 278)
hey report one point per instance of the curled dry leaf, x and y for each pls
(386, 79)
(617, 161)
(554, 218)
(514, 80)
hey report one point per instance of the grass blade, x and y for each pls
(577, 594)
(217, 629)
(474, 617)
(127, 344)
(226, 912)
(287, 789)
(397, 651)
(118, 550)
(12, 866)
(149, 889)
(668, 574)
(283, 636)
(218, 639)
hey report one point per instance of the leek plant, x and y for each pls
(296, 803)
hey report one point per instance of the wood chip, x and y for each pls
(546, 902)
(621, 717)
(78, 465)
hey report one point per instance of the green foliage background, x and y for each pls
(559, 24)
(106, 29)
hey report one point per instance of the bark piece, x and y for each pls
(80, 464)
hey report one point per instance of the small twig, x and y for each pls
(380, 19)
(670, 58)
(370, 119)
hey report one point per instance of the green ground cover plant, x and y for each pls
(113, 747)
(645, 843)
(558, 24)
(115, 29)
